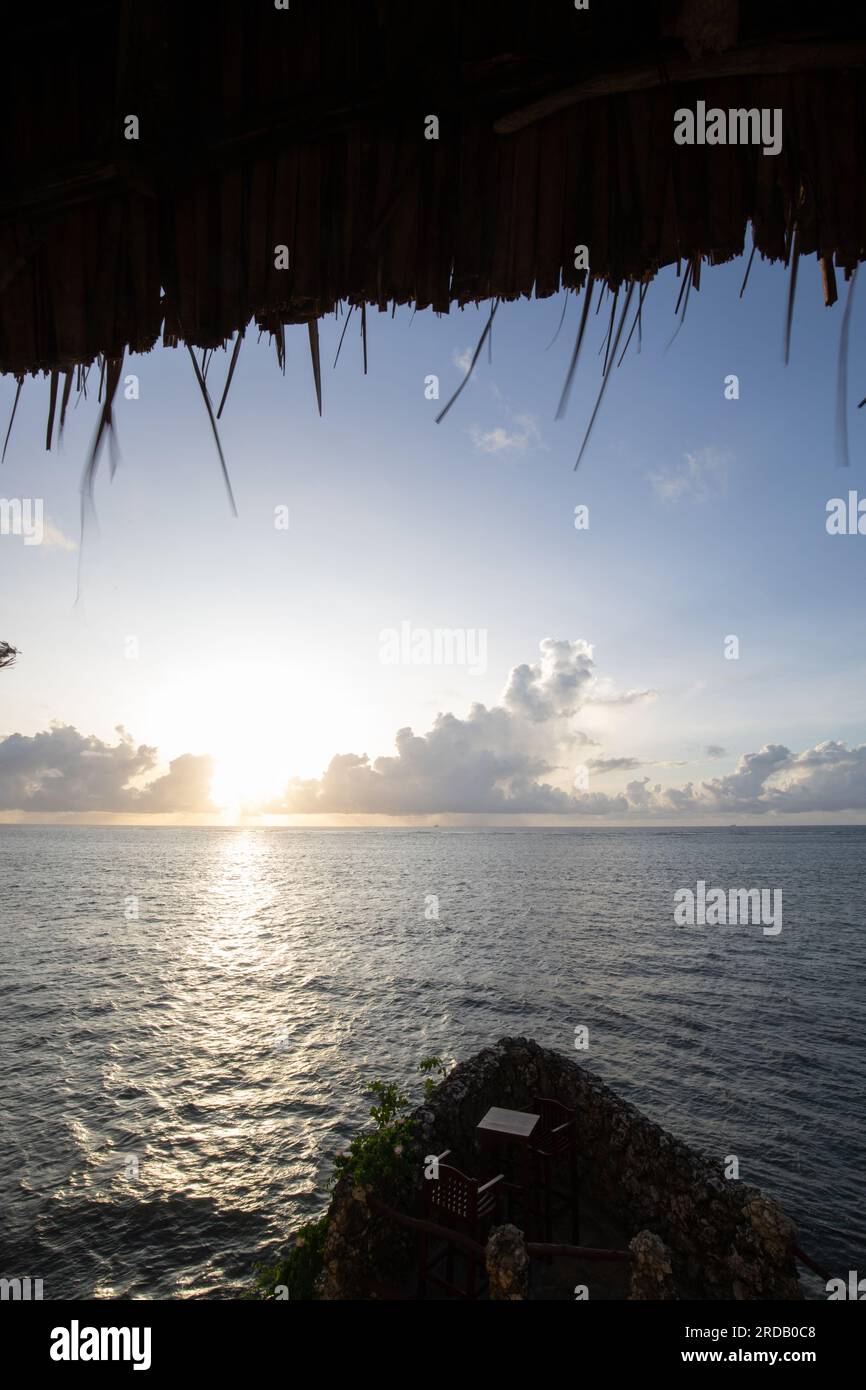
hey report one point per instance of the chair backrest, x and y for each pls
(553, 1113)
(452, 1194)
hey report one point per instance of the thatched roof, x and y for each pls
(305, 127)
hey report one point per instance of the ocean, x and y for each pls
(190, 1017)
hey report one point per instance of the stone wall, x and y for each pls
(726, 1240)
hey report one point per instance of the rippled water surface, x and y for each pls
(175, 1087)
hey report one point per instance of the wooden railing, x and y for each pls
(472, 1247)
(418, 1224)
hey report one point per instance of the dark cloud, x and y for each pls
(185, 787)
(602, 765)
(829, 777)
(62, 770)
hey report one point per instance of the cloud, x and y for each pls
(519, 757)
(463, 359)
(554, 686)
(583, 740)
(700, 476)
(827, 778)
(507, 758)
(62, 770)
(602, 765)
(185, 787)
(526, 435)
(627, 697)
(714, 750)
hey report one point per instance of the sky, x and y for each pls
(695, 654)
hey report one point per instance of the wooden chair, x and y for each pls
(554, 1146)
(459, 1202)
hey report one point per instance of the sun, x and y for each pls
(262, 725)
(245, 780)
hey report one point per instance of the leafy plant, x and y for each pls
(380, 1153)
(296, 1274)
(434, 1070)
(391, 1103)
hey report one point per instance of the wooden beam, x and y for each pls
(775, 58)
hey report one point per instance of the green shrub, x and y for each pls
(429, 1066)
(379, 1155)
(295, 1275)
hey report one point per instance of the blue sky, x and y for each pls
(260, 648)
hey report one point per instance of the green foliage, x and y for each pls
(392, 1103)
(435, 1071)
(298, 1271)
(382, 1152)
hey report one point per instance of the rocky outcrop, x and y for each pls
(651, 1274)
(348, 1270)
(725, 1239)
(507, 1264)
(364, 1250)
